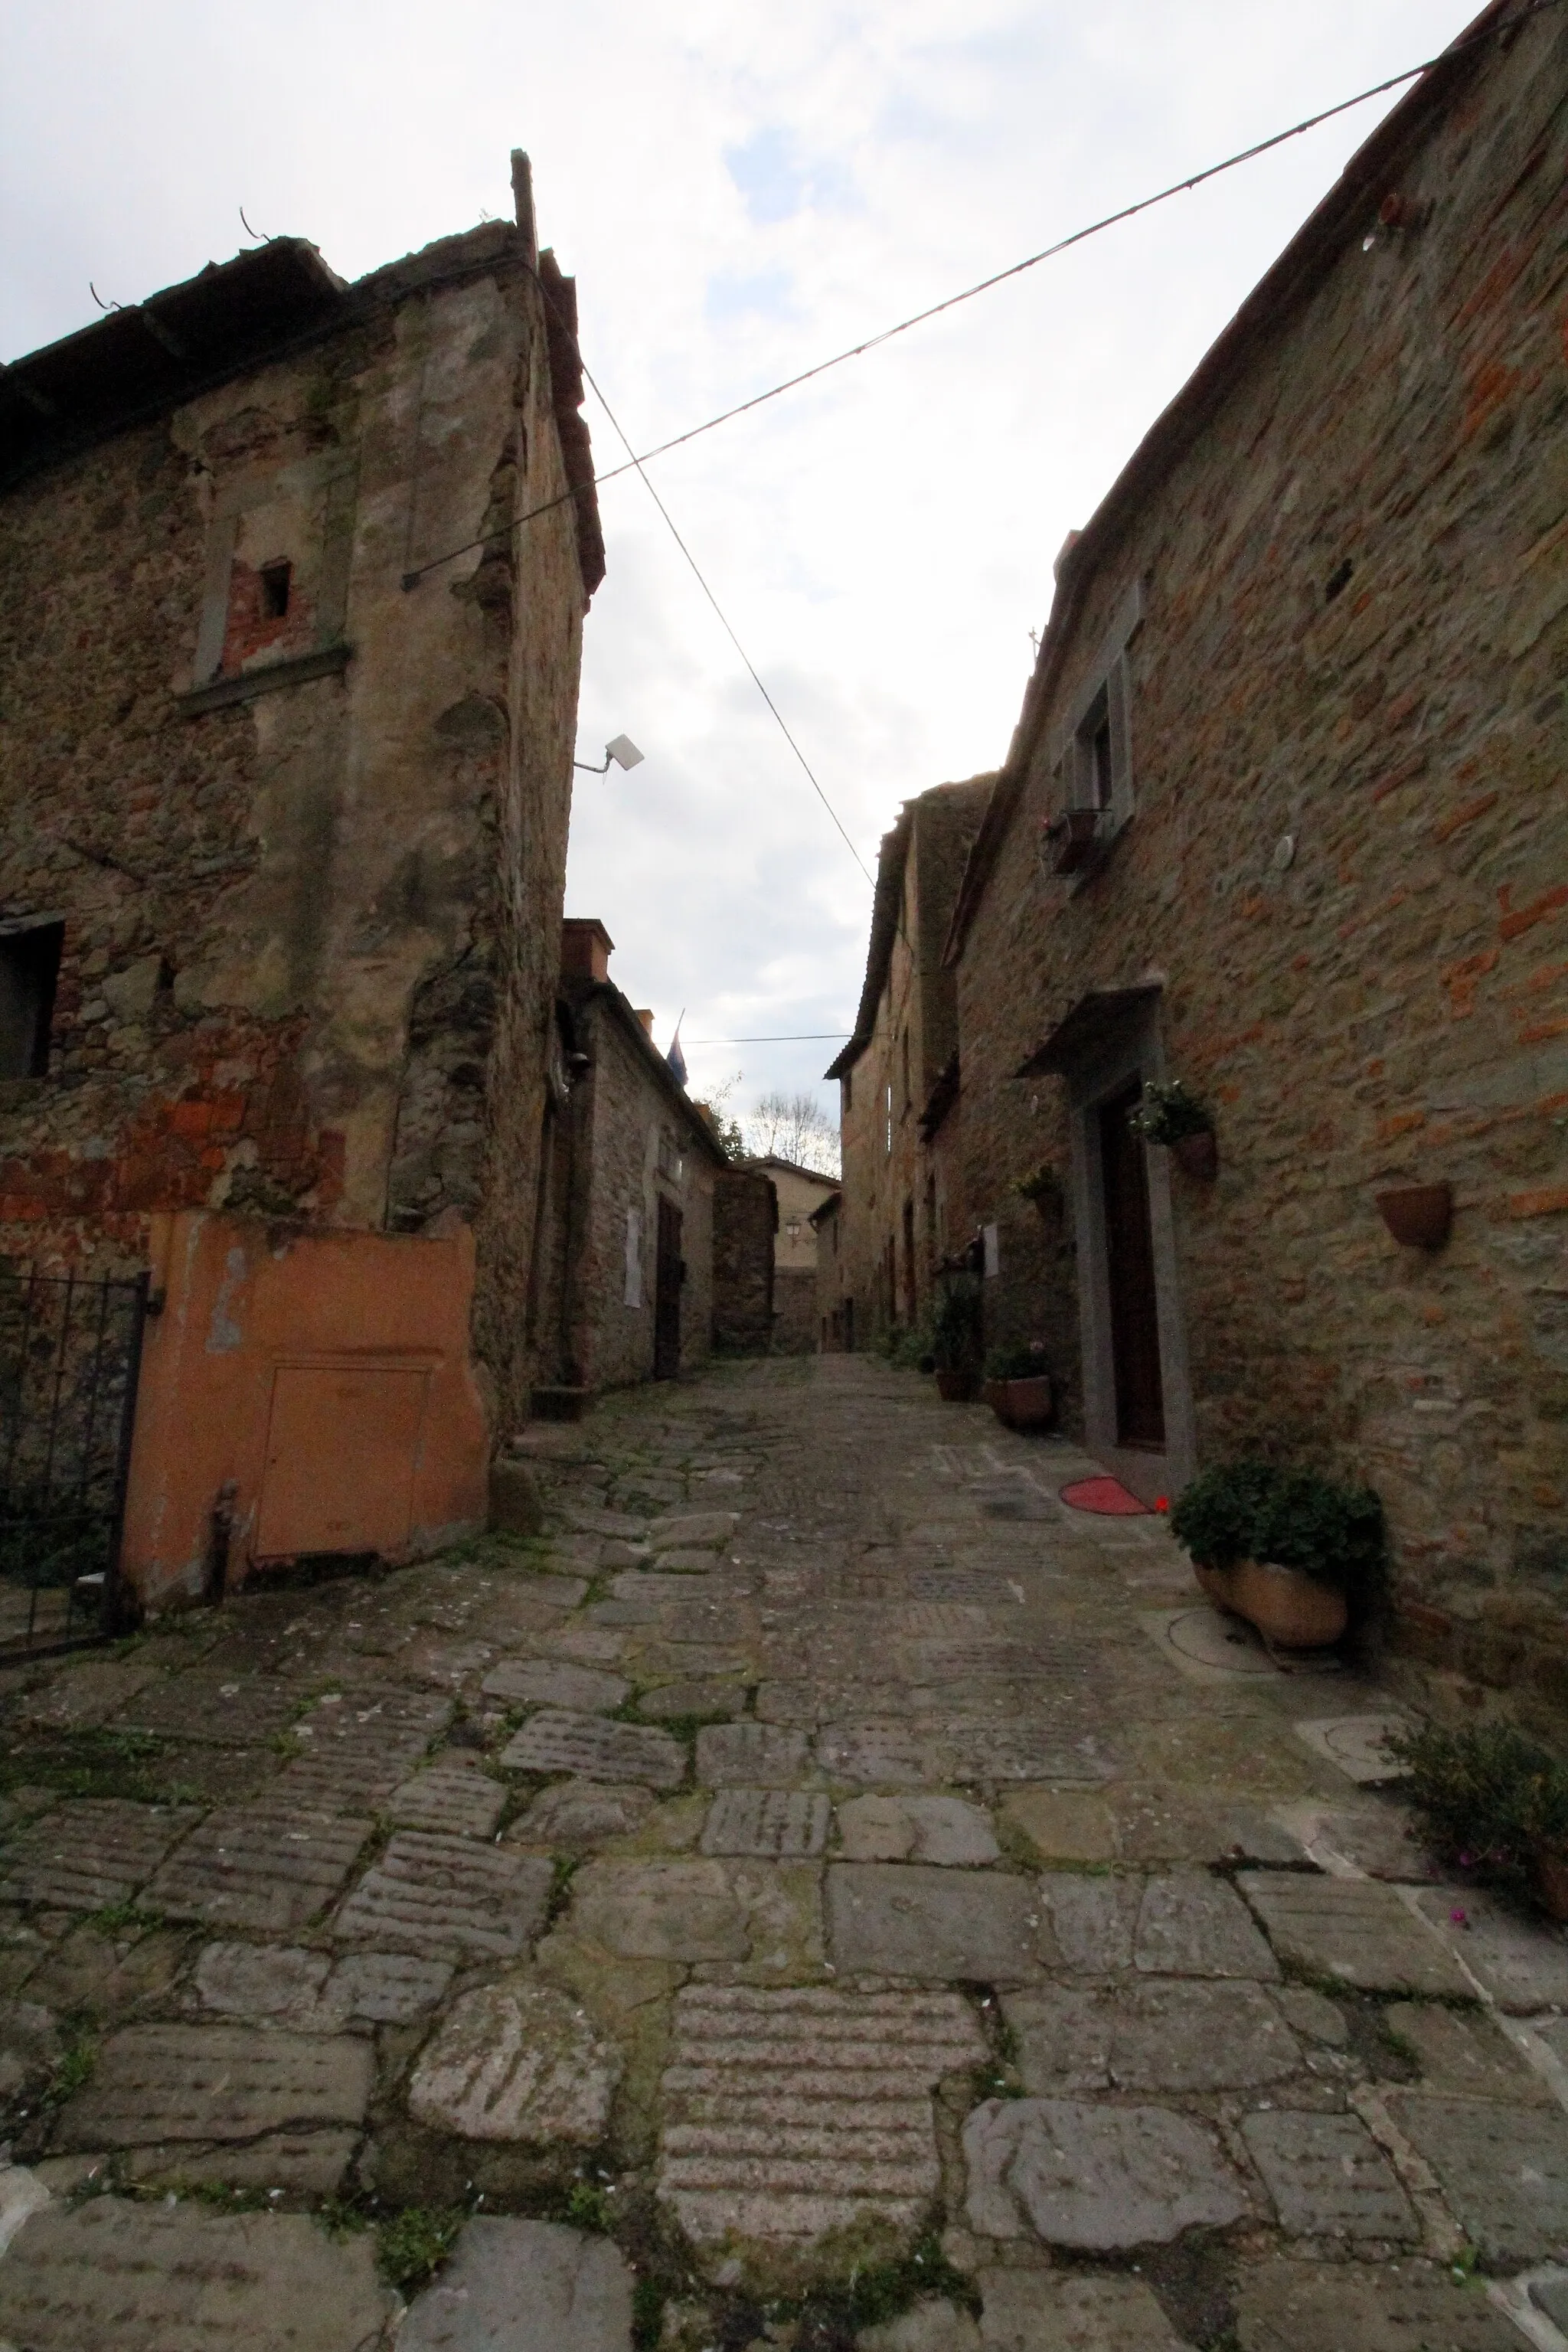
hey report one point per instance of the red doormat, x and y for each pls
(1107, 1496)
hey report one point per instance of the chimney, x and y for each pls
(585, 948)
(645, 1014)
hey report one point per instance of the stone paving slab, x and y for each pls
(1359, 2307)
(1522, 1963)
(92, 1853)
(560, 1741)
(884, 1752)
(1503, 2170)
(82, 1693)
(700, 1698)
(1097, 2179)
(581, 1813)
(542, 1682)
(1021, 1751)
(596, 1522)
(1092, 1922)
(1466, 2054)
(904, 1919)
(944, 1830)
(1328, 2178)
(302, 1990)
(516, 2061)
(447, 1898)
(693, 1530)
(1052, 2311)
(751, 1754)
(456, 1797)
(155, 2087)
(1357, 1930)
(141, 2278)
(1178, 2037)
(777, 1822)
(265, 1866)
(1194, 1925)
(790, 2113)
(660, 1910)
(231, 1710)
(1353, 1745)
(524, 2287)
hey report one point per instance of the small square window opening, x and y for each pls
(275, 581)
(29, 970)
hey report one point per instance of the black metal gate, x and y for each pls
(71, 1352)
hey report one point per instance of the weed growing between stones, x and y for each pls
(223, 2200)
(73, 2068)
(413, 2246)
(997, 2076)
(564, 1868)
(122, 1919)
(88, 1764)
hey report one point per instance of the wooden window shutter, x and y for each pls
(1118, 698)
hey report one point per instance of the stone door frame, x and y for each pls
(1130, 1047)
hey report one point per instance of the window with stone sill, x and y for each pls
(1092, 795)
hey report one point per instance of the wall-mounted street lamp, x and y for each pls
(620, 749)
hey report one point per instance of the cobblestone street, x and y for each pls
(827, 1892)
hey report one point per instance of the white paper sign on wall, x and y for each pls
(634, 1257)
(993, 1252)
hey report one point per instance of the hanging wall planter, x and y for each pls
(1171, 1117)
(1418, 1215)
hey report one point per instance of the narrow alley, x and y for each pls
(828, 1891)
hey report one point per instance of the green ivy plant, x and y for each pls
(1168, 1112)
(1027, 1361)
(956, 1324)
(1293, 1518)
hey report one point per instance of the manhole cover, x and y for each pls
(1211, 1640)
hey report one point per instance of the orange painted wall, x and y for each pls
(328, 1375)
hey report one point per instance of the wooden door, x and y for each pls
(1130, 1268)
(668, 1279)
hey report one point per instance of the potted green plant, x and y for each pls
(1491, 1803)
(1286, 1550)
(955, 1337)
(1018, 1385)
(1168, 1115)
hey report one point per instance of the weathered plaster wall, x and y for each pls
(311, 933)
(1389, 1005)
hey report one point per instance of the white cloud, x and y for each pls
(740, 192)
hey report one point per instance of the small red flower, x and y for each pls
(1161, 1502)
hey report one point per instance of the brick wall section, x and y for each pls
(311, 937)
(744, 1211)
(1390, 1004)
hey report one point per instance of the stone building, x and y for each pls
(898, 1075)
(834, 1306)
(799, 1192)
(1284, 816)
(291, 603)
(745, 1223)
(622, 1284)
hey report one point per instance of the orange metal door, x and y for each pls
(341, 1446)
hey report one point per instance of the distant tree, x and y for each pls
(726, 1126)
(792, 1126)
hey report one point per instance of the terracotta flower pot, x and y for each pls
(1286, 1606)
(1418, 1215)
(1551, 1883)
(956, 1388)
(1197, 1155)
(1021, 1404)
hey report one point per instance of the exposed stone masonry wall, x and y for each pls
(1388, 1003)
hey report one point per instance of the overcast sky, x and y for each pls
(739, 190)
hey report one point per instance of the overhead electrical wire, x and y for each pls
(635, 462)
